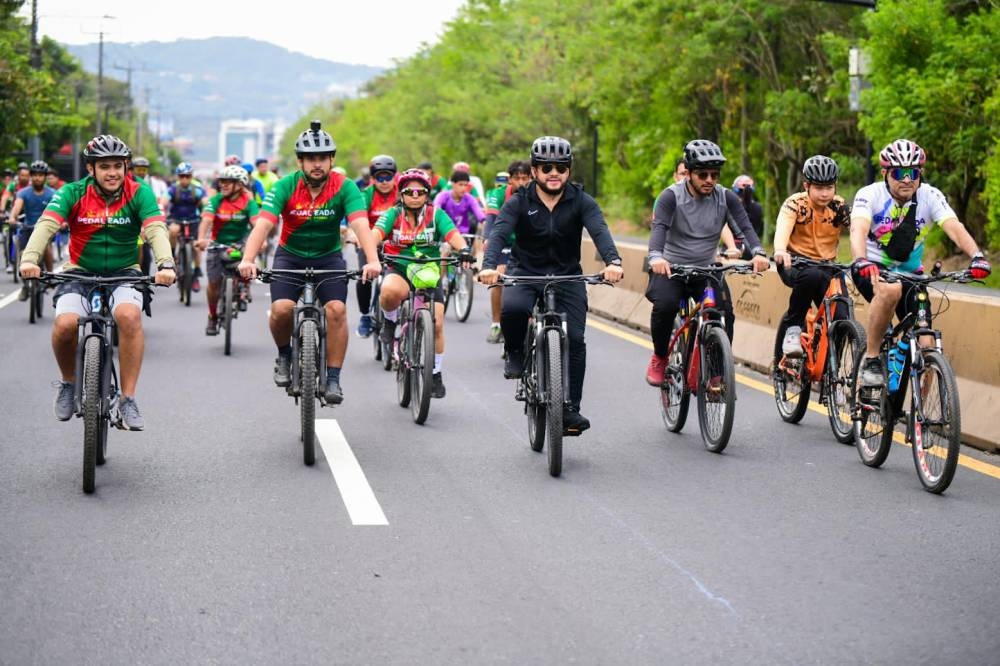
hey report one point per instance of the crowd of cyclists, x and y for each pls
(530, 223)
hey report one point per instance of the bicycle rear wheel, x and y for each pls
(534, 410)
(307, 393)
(849, 340)
(92, 415)
(554, 397)
(716, 390)
(937, 436)
(675, 398)
(225, 313)
(791, 393)
(421, 374)
(464, 283)
(873, 420)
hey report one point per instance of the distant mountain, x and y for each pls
(195, 83)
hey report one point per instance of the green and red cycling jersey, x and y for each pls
(403, 239)
(377, 203)
(311, 227)
(496, 198)
(230, 219)
(103, 235)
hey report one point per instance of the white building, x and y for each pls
(249, 139)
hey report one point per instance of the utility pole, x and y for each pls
(100, 76)
(34, 143)
(128, 69)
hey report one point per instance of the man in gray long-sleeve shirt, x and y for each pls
(687, 221)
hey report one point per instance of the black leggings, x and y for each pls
(666, 295)
(809, 285)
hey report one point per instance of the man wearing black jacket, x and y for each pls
(543, 222)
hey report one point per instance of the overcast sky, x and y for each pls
(355, 31)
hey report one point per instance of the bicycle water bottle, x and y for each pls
(897, 356)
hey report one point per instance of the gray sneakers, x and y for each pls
(791, 346)
(64, 406)
(129, 414)
(871, 373)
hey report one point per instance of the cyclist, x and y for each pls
(226, 220)
(889, 224)
(518, 174)
(415, 228)
(547, 218)
(463, 208)
(264, 175)
(21, 180)
(476, 188)
(53, 180)
(809, 225)
(185, 201)
(312, 201)
(380, 196)
(32, 201)
(438, 183)
(688, 219)
(106, 212)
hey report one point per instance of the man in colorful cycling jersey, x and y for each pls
(518, 175)
(185, 201)
(226, 220)
(106, 212)
(461, 207)
(380, 196)
(809, 225)
(311, 203)
(889, 224)
(32, 201)
(21, 180)
(415, 229)
(263, 174)
(545, 222)
(687, 222)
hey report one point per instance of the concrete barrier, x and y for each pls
(969, 323)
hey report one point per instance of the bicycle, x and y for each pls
(9, 248)
(413, 345)
(96, 388)
(308, 371)
(700, 361)
(832, 365)
(459, 284)
(933, 422)
(383, 352)
(233, 293)
(544, 383)
(184, 260)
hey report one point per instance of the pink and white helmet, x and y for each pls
(902, 153)
(462, 166)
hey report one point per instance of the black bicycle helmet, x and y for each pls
(140, 162)
(382, 163)
(821, 170)
(315, 141)
(105, 146)
(551, 150)
(703, 154)
(39, 166)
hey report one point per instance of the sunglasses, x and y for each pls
(384, 177)
(909, 172)
(706, 175)
(560, 168)
(414, 192)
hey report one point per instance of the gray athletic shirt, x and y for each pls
(686, 228)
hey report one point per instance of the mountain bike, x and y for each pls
(458, 288)
(234, 292)
(700, 361)
(184, 260)
(544, 383)
(96, 390)
(383, 352)
(308, 347)
(413, 346)
(933, 421)
(831, 351)
(36, 299)
(9, 248)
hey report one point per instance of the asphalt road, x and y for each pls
(208, 541)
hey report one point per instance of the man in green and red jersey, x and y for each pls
(106, 212)
(311, 203)
(380, 196)
(438, 183)
(518, 174)
(226, 220)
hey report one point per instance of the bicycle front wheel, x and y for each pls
(226, 313)
(716, 390)
(873, 420)
(849, 340)
(33, 292)
(92, 415)
(422, 355)
(403, 384)
(464, 284)
(307, 393)
(533, 408)
(554, 397)
(187, 274)
(937, 426)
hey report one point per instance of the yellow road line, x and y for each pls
(963, 460)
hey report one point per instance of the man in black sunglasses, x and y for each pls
(547, 217)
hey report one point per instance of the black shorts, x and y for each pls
(192, 225)
(438, 290)
(907, 302)
(328, 289)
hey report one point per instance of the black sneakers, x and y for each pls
(574, 422)
(513, 366)
(334, 394)
(437, 386)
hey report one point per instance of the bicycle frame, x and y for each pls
(306, 309)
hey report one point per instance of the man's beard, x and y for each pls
(545, 188)
(313, 182)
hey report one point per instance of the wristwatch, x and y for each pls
(615, 262)
(166, 265)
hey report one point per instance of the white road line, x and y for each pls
(9, 298)
(350, 478)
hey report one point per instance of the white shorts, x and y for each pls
(73, 303)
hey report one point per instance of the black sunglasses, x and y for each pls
(560, 168)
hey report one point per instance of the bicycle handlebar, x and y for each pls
(962, 276)
(510, 280)
(303, 275)
(816, 263)
(396, 259)
(139, 281)
(685, 271)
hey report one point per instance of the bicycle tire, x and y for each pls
(554, 397)
(39, 301)
(873, 419)
(464, 284)
(109, 388)
(228, 286)
(187, 275)
(92, 415)
(32, 286)
(422, 374)
(675, 398)
(17, 261)
(403, 364)
(307, 393)
(532, 407)
(849, 340)
(791, 394)
(716, 390)
(935, 468)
